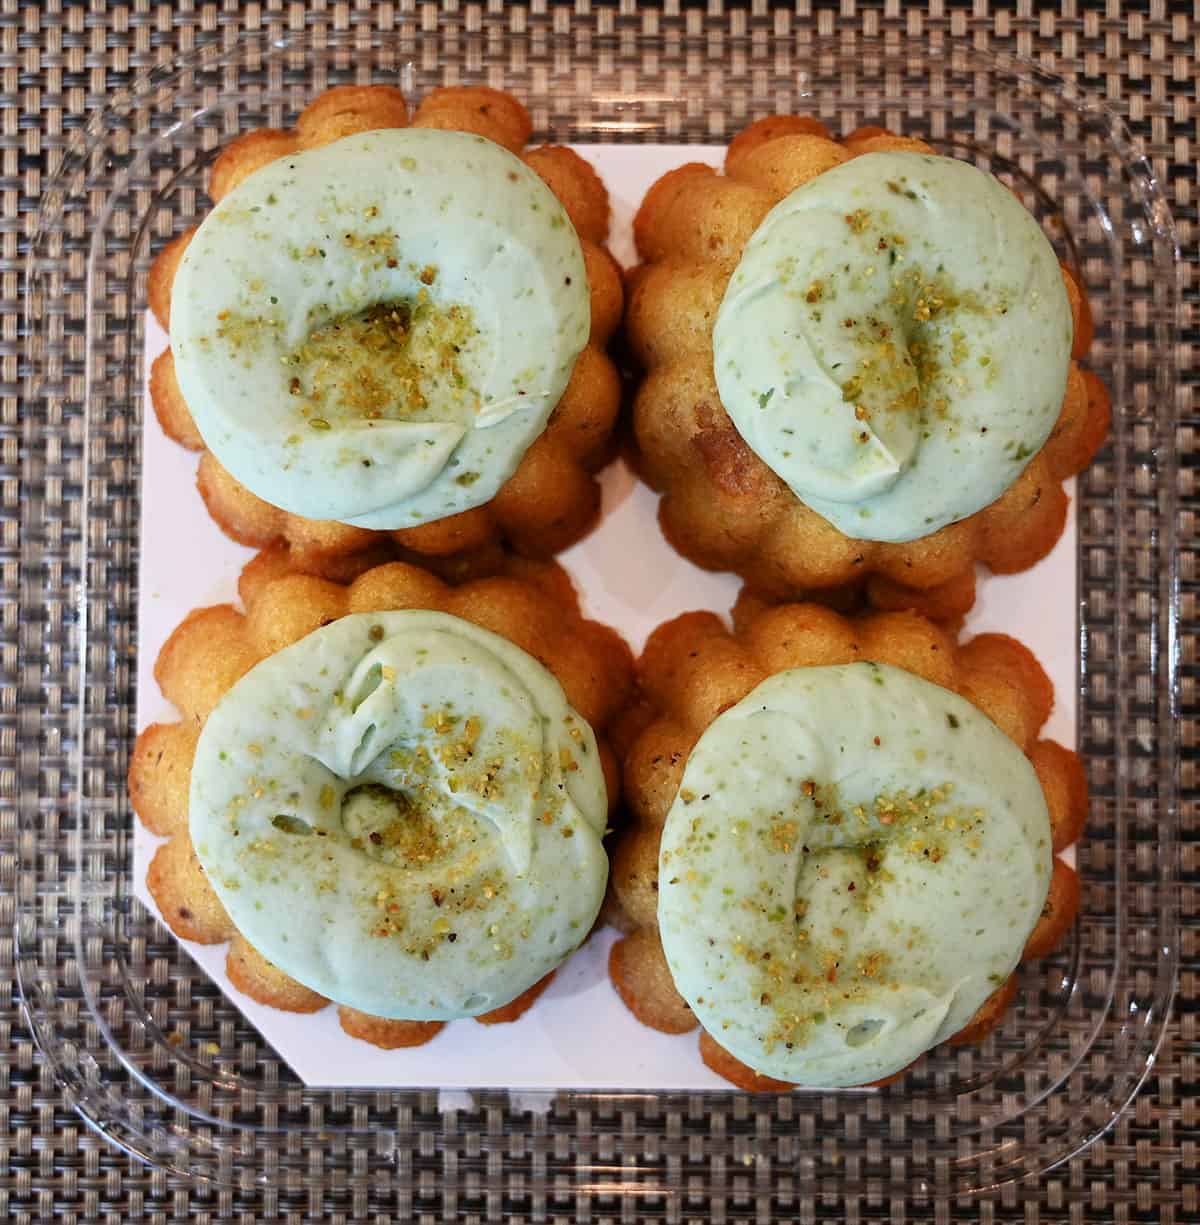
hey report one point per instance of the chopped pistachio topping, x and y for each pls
(392, 361)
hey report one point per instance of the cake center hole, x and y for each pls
(404, 359)
(390, 826)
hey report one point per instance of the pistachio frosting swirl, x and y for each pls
(375, 331)
(852, 865)
(894, 343)
(403, 813)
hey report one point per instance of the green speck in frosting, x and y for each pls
(288, 823)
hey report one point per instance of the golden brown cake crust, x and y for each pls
(553, 498)
(396, 1035)
(162, 277)
(252, 974)
(169, 405)
(693, 668)
(531, 603)
(732, 1069)
(514, 1010)
(988, 1015)
(386, 1034)
(722, 506)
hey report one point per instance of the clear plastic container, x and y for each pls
(151, 1053)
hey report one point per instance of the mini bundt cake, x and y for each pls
(514, 459)
(859, 368)
(425, 765)
(842, 839)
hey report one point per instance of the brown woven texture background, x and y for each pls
(60, 60)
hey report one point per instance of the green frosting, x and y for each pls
(376, 331)
(402, 812)
(894, 343)
(852, 865)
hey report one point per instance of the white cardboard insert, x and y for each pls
(578, 1035)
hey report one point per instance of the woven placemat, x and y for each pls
(58, 62)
